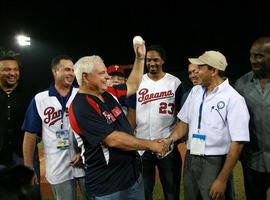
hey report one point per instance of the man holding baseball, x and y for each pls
(152, 114)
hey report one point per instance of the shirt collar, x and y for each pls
(252, 76)
(220, 87)
(54, 92)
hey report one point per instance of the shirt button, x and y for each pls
(8, 106)
(8, 118)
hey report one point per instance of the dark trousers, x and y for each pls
(36, 165)
(199, 174)
(230, 191)
(195, 172)
(169, 169)
(256, 183)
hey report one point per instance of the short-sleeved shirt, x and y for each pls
(108, 170)
(256, 154)
(224, 117)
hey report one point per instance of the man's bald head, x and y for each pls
(260, 57)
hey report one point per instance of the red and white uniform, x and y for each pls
(155, 107)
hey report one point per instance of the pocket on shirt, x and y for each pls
(217, 120)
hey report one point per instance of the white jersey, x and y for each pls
(155, 107)
(57, 161)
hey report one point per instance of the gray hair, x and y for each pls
(85, 65)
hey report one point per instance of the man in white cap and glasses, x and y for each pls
(216, 119)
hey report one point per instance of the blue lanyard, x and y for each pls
(62, 100)
(63, 103)
(200, 110)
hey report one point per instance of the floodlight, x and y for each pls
(23, 40)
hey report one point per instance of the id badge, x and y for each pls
(197, 144)
(62, 137)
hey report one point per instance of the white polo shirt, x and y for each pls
(224, 117)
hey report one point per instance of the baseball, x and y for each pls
(138, 40)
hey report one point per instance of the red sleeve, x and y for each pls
(120, 92)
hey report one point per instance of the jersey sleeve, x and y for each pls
(178, 96)
(32, 122)
(184, 97)
(131, 101)
(92, 125)
(120, 92)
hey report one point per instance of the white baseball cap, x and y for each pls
(212, 58)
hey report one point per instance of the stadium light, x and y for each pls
(23, 40)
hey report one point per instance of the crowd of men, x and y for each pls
(111, 133)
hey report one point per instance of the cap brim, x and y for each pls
(196, 61)
(117, 73)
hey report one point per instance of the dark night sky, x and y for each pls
(184, 28)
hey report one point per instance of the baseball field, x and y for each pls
(158, 195)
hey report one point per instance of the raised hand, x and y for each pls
(139, 48)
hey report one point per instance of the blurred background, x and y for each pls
(78, 28)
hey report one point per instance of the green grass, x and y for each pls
(238, 183)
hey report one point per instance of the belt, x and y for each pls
(224, 155)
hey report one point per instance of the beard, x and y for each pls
(263, 72)
(153, 70)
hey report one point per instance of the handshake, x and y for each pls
(161, 146)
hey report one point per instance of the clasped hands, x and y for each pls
(160, 146)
